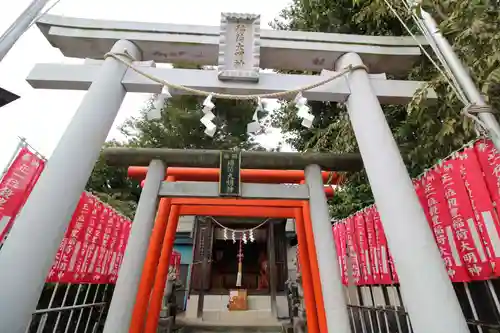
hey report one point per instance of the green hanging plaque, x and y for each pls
(230, 174)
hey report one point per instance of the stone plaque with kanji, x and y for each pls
(239, 47)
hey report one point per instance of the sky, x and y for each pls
(41, 116)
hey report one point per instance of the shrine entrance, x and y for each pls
(236, 263)
(240, 247)
(225, 268)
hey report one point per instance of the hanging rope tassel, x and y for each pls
(240, 264)
(255, 126)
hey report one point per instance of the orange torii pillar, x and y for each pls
(149, 268)
(306, 274)
(162, 272)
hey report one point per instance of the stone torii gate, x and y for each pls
(426, 289)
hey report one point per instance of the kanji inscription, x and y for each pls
(230, 174)
(239, 47)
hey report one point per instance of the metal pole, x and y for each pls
(462, 76)
(19, 27)
(337, 319)
(122, 303)
(429, 295)
(32, 246)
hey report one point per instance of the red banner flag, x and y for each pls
(470, 245)
(336, 238)
(16, 185)
(343, 251)
(486, 218)
(352, 250)
(435, 207)
(489, 159)
(109, 242)
(125, 228)
(115, 262)
(93, 246)
(366, 277)
(382, 251)
(392, 266)
(372, 244)
(100, 239)
(175, 263)
(91, 249)
(62, 260)
(83, 239)
(340, 245)
(74, 246)
(113, 245)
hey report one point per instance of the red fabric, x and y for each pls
(382, 250)
(121, 246)
(461, 200)
(336, 238)
(366, 277)
(372, 244)
(352, 250)
(470, 245)
(435, 206)
(84, 239)
(175, 262)
(91, 243)
(118, 245)
(343, 251)
(102, 241)
(67, 247)
(16, 186)
(489, 159)
(486, 218)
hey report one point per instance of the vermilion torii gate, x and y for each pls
(285, 198)
(119, 48)
(149, 294)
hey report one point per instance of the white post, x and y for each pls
(20, 25)
(426, 288)
(337, 318)
(122, 304)
(29, 252)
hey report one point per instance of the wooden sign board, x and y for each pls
(230, 174)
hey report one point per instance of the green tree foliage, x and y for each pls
(179, 128)
(425, 133)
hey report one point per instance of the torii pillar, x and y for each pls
(29, 251)
(425, 285)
